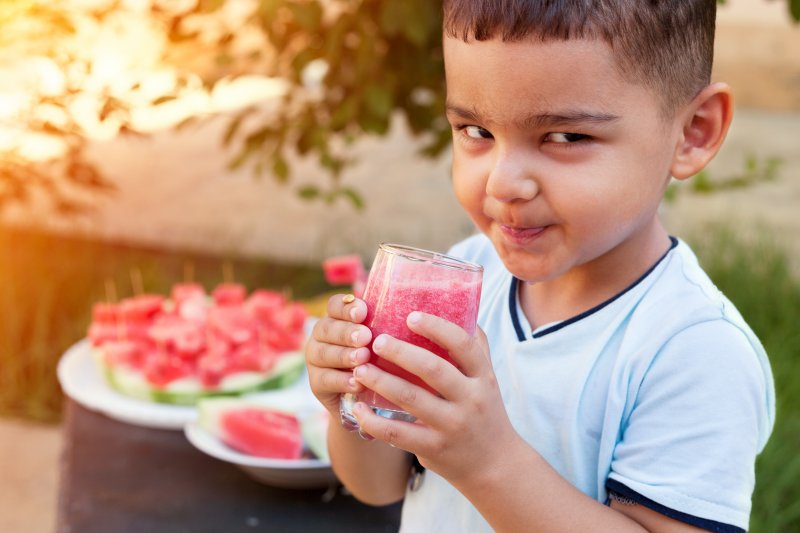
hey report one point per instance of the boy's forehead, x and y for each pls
(530, 58)
(521, 81)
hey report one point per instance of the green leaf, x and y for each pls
(352, 195)
(332, 163)
(239, 160)
(671, 194)
(416, 33)
(701, 182)
(268, 8)
(309, 192)
(280, 168)
(164, 99)
(378, 100)
(307, 14)
(334, 41)
(392, 16)
(233, 127)
(207, 6)
(303, 58)
(344, 113)
(423, 20)
(794, 9)
(372, 124)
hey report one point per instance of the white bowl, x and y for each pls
(284, 473)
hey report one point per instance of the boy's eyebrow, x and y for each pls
(537, 120)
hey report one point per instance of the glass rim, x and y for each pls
(413, 253)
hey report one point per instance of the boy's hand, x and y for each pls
(337, 345)
(466, 426)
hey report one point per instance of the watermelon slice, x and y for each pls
(343, 269)
(346, 270)
(190, 347)
(188, 390)
(262, 433)
(265, 428)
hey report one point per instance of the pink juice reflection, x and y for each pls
(403, 280)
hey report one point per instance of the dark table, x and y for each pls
(116, 477)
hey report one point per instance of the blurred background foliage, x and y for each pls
(348, 67)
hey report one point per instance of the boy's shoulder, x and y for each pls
(683, 324)
(682, 295)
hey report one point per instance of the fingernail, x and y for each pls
(353, 313)
(415, 318)
(352, 383)
(353, 356)
(354, 336)
(380, 342)
(359, 371)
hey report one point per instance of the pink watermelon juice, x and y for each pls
(431, 283)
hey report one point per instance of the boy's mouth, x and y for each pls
(521, 235)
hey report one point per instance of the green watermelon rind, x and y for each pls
(130, 382)
(314, 429)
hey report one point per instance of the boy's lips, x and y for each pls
(521, 235)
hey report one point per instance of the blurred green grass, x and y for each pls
(49, 283)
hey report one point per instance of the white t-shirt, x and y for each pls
(661, 394)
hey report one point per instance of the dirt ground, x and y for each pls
(756, 53)
(29, 461)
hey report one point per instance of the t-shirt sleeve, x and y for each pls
(702, 414)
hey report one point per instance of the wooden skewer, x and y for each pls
(188, 272)
(227, 272)
(111, 298)
(136, 281)
(111, 291)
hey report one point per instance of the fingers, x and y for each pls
(347, 307)
(396, 433)
(333, 356)
(438, 373)
(409, 397)
(329, 380)
(469, 352)
(333, 331)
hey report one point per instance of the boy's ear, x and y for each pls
(705, 124)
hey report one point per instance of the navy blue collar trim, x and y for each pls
(612, 485)
(512, 307)
(512, 301)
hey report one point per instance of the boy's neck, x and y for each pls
(592, 283)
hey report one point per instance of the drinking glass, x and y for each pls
(405, 279)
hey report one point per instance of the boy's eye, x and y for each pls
(476, 132)
(565, 137)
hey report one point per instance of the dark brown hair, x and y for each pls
(666, 45)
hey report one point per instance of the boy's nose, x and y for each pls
(511, 179)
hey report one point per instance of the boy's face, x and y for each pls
(557, 159)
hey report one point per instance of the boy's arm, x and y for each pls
(520, 491)
(372, 471)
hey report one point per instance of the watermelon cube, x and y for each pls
(343, 269)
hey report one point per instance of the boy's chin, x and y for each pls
(525, 266)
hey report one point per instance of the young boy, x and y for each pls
(615, 388)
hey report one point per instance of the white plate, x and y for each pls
(285, 473)
(81, 380)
